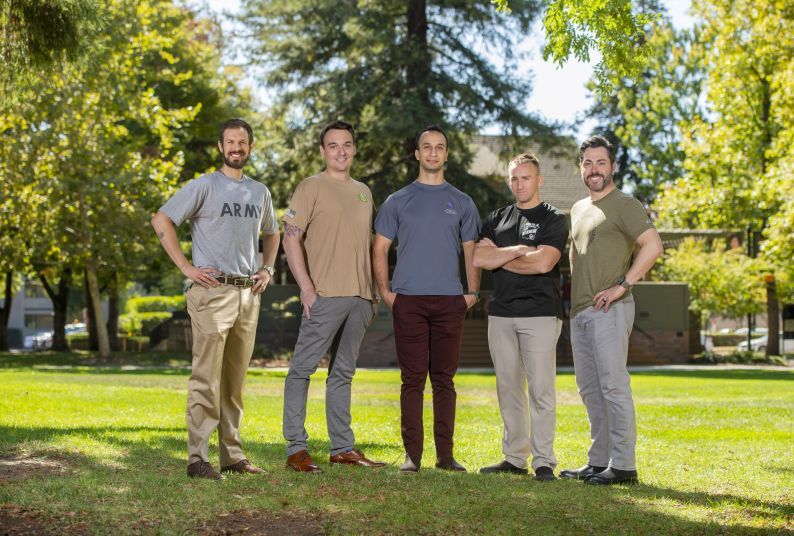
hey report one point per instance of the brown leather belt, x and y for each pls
(235, 280)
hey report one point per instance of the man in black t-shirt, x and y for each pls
(522, 244)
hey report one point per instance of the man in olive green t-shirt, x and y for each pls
(605, 228)
(328, 238)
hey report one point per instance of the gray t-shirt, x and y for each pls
(429, 223)
(226, 217)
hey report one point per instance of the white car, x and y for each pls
(759, 344)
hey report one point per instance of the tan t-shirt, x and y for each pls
(603, 234)
(336, 218)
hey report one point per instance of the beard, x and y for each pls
(605, 181)
(239, 163)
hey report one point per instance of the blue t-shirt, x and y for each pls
(429, 223)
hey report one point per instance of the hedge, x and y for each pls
(141, 323)
(155, 304)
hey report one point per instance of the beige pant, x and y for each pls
(524, 356)
(224, 322)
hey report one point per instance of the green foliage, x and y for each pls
(388, 68)
(578, 27)
(720, 282)
(642, 117)
(40, 34)
(141, 323)
(738, 358)
(154, 304)
(740, 151)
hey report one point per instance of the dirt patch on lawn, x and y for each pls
(252, 522)
(24, 466)
(16, 520)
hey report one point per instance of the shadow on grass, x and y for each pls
(89, 359)
(754, 374)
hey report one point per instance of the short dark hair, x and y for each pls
(594, 142)
(236, 123)
(336, 125)
(430, 128)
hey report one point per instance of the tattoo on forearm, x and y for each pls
(292, 230)
(161, 234)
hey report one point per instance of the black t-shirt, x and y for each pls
(517, 295)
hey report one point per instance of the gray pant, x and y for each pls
(600, 348)
(337, 326)
(524, 357)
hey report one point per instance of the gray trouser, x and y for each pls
(524, 357)
(337, 326)
(600, 348)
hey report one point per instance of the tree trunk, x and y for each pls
(93, 343)
(99, 315)
(772, 316)
(5, 311)
(113, 313)
(695, 347)
(60, 303)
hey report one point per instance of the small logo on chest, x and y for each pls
(529, 230)
(450, 209)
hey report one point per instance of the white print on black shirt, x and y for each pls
(529, 230)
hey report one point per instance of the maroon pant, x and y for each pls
(427, 333)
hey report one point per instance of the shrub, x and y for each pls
(155, 304)
(141, 323)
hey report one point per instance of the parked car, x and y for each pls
(41, 340)
(759, 344)
(756, 331)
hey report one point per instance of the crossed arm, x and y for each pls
(520, 259)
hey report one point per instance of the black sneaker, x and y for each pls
(544, 474)
(503, 467)
(202, 469)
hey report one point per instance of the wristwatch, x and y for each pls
(269, 269)
(476, 295)
(623, 283)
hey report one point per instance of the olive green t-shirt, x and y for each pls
(336, 217)
(603, 234)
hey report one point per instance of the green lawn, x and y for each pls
(715, 455)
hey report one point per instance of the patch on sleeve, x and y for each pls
(289, 214)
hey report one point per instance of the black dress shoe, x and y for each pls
(449, 464)
(503, 467)
(611, 476)
(582, 473)
(544, 474)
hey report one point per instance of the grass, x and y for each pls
(714, 452)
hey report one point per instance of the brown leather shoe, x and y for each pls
(302, 462)
(354, 457)
(243, 467)
(202, 469)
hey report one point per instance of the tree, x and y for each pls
(739, 153)
(38, 35)
(642, 117)
(720, 282)
(388, 68)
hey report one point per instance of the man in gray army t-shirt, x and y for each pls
(227, 212)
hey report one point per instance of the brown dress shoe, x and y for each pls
(354, 457)
(202, 469)
(302, 462)
(243, 467)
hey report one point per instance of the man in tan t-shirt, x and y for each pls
(327, 238)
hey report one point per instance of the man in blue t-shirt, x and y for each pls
(522, 244)
(430, 219)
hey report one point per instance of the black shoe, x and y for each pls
(582, 473)
(449, 464)
(503, 467)
(544, 474)
(611, 476)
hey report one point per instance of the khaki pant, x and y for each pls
(524, 357)
(224, 322)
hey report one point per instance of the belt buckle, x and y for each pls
(240, 282)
